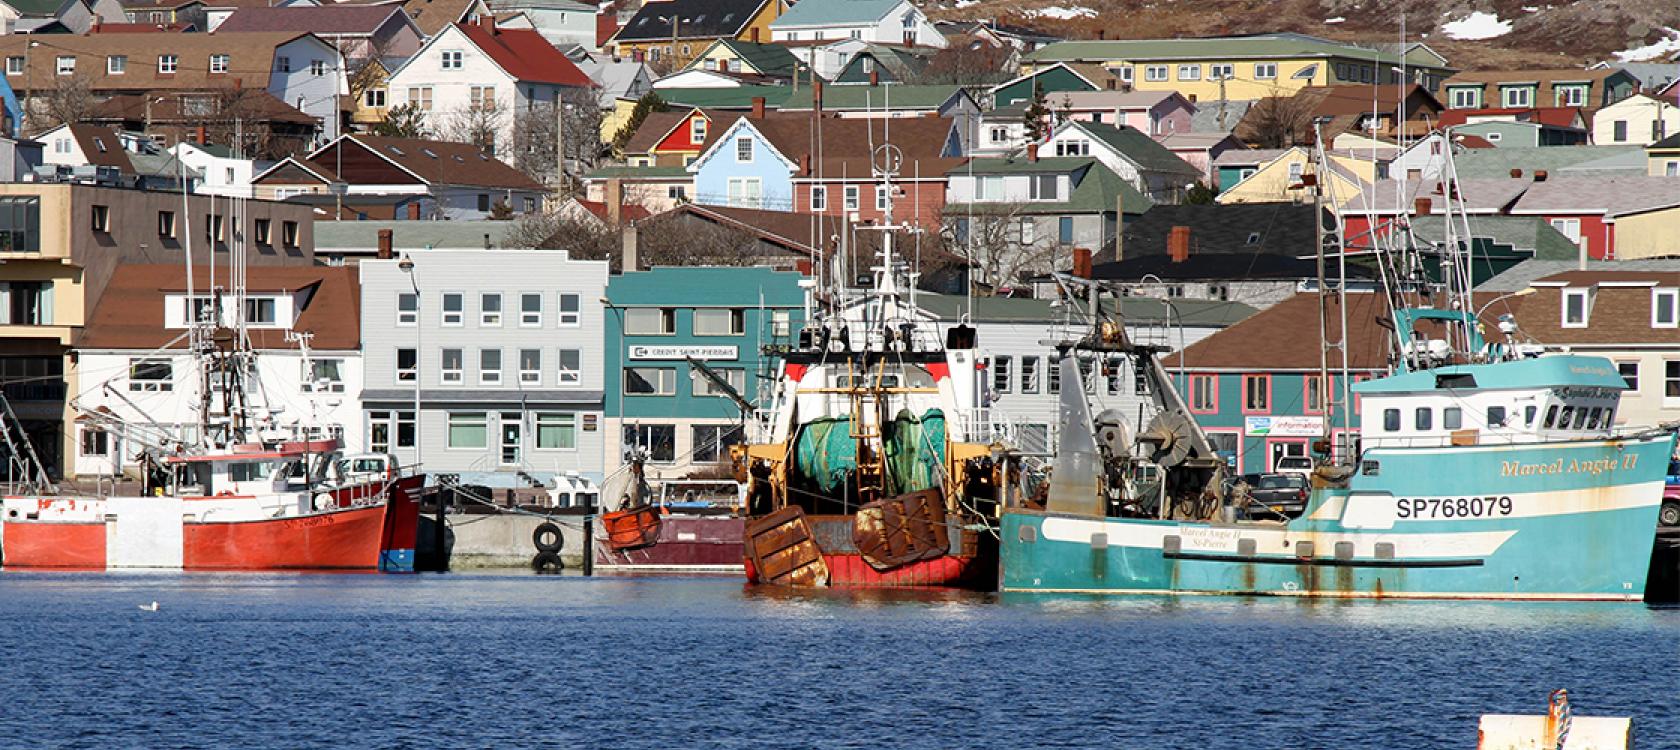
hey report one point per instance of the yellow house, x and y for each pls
(1280, 179)
(670, 34)
(1245, 67)
(372, 98)
(1663, 157)
(1647, 233)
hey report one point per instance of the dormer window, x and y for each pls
(1665, 308)
(697, 130)
(260, 311)
(218, 63)
(1576, 308)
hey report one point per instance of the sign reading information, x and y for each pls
(703, 353)
(1284, 426)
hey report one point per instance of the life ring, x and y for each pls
(547, 538)
(323, 501)
(547, 562)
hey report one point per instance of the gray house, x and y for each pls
(507, 349)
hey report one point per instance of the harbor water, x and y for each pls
(518, 661)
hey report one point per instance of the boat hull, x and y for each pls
(970, 564)
(339, 540)
(1570, 521)
(686, 544)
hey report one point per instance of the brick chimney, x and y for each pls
(98, 21)
(1421, 207)
(1540, 175)
(414, 211)
(755, 35)
(631, 242)
(816, 96)
(1178, 244)
(805, 164)
(615, 201)
(874, 76)
(384, 244)
(758, 108)
(487, 22)
(1032, 152)
(201, 134)
(1082, 262)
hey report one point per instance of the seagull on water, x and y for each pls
(153, 607)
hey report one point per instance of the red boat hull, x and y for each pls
(686, 544)
(66, 546)
(340, 540)
(971, 565)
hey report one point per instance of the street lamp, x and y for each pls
(406, 265)
(1172, 313)
(1524, 292)
(676, 23)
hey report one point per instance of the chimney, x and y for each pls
(1032, 152)
(615, 201)
(487, 22)
(1102, 34)
(1192, 98)
(98, 21)
(1178, 244)
(1421, 207)
(1111, 84)
(414, 211)
(758, 108)
(1119, 226)
(803, 266)
(755, 35)
(1082, 262)
(1516, 174)
(201, 135)
(384, 244)
(805, 164)
(816, 96)
(632, 244)
(1540, 175)
(874, 76)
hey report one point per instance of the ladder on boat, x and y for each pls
(21, 459)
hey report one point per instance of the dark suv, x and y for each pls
(1276, 495)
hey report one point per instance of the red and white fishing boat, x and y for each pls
(288, 506)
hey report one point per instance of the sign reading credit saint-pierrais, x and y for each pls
(1284, 426)
(640, 351)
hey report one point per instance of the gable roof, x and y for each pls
(130, 313)
(879, 98)
(843, 148)
(433, 16)
(699, 19)
(1543, 76)
(1524, 274)
(331, 20)
(430, 162)
(1281, 228)
(1611, 196)
(1498, 162)
(1487, 195)
(251, 59)
(1285, 336)
(38, 8)
(1139, 148)
(807, 13)
(1280, 45)
(524, 54)
(768, 59)
(251, 104)
(1096, 188)
(658, 125)
(1672, 141)
(100, 146)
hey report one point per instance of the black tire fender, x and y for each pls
(547, 562)
(547, 537)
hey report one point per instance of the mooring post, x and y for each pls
(443, 500)
(589, 539)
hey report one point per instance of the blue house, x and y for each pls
(657, 322)
(743, 169)
(1256, 389)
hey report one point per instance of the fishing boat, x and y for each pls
(873, 464)
(1483, 471)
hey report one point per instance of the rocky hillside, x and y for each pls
(1471, 34)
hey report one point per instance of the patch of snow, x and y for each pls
(1655, 51)
(1337, 19)
(965, 3)
(1063, 13)
(1477, 25)
(1531, 9)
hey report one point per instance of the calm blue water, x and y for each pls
(468, 660)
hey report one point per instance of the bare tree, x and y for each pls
(976, 64)
(536, 142)
(479, 124)
(581, 148)
(68, 101)
(995, 247)
(669, 239)
(1276, 122)
(363, 66)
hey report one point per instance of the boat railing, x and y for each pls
(989, 426)
(1525, 437)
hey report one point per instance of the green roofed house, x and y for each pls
(733, 56)
(1055, 78)
(738, 97)
(876, 21)
(1024, 216)
(883, 63)
(1135, 157)
(1246, 67)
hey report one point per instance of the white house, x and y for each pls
(467, 67)
(219, 171)
(134, 366)
(1637, 120)
(878, 21)
(1150, 167)
(561, 22)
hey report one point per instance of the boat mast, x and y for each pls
(1335, 397)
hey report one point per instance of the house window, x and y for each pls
(1665, 308)
(819, 198)
(880, 198)
(450, 373)
(743, 149)
(1257, 394)
(569, 313)
(1465, 98)
(1064, 230)
(1517, 97)
(166, 225)
(530, 205)
(650, 381)
(556, 430)
(1620, 128)
(14, 65)
(451, 59)
(214, 228)
(1028, 231)
(1189, 72)
(261, 311)
(1204, 394)
(489, 366)
(95, 442)
(116, 64)
(289, 233)
(1630, 375)
(317, 67)
(468, 430)
(284, 64)
(658, 441)
(408, 365)
(408, 309)
(218, 63)
(1295, 171)
(101, 219)
(571, 366)
(381, 426)
(262, 232)
(530, 310)
(1312, 394)
(734, 376)
(484, 201)
(1001, 380)
(1030, 374)
(167, 63)
(482, 97)
(781, 322)
(999, 134)
(746, 192)
(66, 65)
(150, 375)
(697, 131)
(650, 321)
(373, 98)
(454, 309)
(490, 309)
(1043, 187)
(1265, 71)
(420, 97)
(1221, 71)
(1575, 308)
(1073, 147)
(991, 188)
(323, 376)
(719, 322)
(852, 201)
(711, 442)
(1155, 73)
(1572, 96)
(530, 366)
(1671, 379)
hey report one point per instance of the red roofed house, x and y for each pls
(514, 73)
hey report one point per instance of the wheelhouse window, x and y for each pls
(1452, 418)
(1391, 420)
(1423, 419)
(1495, 417)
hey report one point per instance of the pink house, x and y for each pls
(1200, 149)
(1153, 112)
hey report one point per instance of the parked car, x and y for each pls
(1670, 513)
(1302, 465)
(1276, 494)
